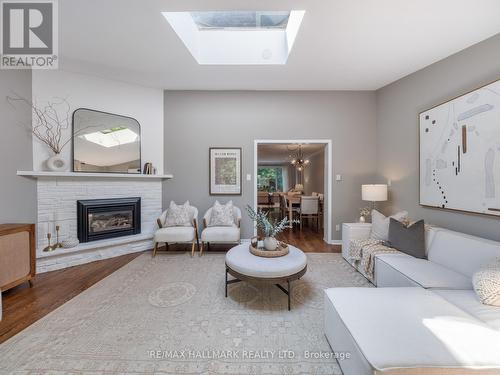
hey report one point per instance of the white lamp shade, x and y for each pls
(374, 193)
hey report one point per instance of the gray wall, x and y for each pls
(398, 105)
(314, 180)
(17, 194)
(196, 120)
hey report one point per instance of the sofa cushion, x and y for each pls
(468, 301)
(175, 234)
(220, 234)
(380, 224)
(426, 273)
(462, 253)
(408, 239)
(414, 328)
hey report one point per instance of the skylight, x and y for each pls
(111, 137)
(237, 37)
(240, 20)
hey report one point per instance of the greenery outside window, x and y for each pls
(270, 179)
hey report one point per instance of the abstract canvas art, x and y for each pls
(460, 153)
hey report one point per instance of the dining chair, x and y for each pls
(309, 209)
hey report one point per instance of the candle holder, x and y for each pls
(49, 247)
(58, 244)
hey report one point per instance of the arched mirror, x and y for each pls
(105, 142)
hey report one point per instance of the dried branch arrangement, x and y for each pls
(49, 121)
(270, 228)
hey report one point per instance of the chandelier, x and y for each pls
(298, 160)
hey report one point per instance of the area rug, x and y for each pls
(168, 315)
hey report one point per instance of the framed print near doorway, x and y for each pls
(225, 171)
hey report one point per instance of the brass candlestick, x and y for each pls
(49, 247)
(57, 244)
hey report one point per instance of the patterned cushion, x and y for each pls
(486, 283)
(222, 215)
(178, 215)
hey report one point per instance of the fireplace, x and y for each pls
(98, 219)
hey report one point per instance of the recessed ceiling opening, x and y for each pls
(237, 37)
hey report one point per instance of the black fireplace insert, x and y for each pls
(99, 219)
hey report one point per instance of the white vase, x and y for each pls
(270, 243)
(56, 163)
(362, 219)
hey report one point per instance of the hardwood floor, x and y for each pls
(308, 240)
(22, 306)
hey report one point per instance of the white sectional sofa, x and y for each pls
(452, 259)
(423, 317)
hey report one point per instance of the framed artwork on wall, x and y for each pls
(460, 152)
(225, 171)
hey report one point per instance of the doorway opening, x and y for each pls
(293, 179)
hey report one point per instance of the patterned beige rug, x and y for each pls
(168, 315)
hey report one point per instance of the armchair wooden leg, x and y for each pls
(155, 248)
(201, 248)
(192, 249)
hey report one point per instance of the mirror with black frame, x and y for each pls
(106, 143)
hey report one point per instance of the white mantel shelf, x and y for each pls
(132, 176)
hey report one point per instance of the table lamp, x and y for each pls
(299, 188)
(374, 193)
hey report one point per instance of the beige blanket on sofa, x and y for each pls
(364, 251)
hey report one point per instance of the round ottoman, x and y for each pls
(245, 266)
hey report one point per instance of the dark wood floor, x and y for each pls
(22, 306)
(308, 240)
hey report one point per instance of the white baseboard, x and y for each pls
(334, 242)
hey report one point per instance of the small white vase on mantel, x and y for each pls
(56, 163)
(362, 219)
(270, 243)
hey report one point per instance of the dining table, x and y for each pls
(293, 202)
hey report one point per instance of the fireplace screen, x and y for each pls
(108, 218)
(102, 222)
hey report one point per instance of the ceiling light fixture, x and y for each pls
(298, 160)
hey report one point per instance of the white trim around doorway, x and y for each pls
(329, 178)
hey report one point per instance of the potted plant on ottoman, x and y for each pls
(269, 228)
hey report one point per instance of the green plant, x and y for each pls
(365, 211)
(269, 227)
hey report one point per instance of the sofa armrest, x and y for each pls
(353, 231)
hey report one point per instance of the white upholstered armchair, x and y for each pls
(220, 234)
(177, 234)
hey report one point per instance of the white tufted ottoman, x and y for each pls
(245, 266)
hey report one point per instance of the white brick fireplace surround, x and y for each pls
(57, 197)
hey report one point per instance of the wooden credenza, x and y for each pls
(17, 254)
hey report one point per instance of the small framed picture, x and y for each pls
(225, 171)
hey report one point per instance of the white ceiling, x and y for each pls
(280, 153)
(342, 44)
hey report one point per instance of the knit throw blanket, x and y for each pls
(364, 251)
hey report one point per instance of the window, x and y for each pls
(270, 179)
(240, 20)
